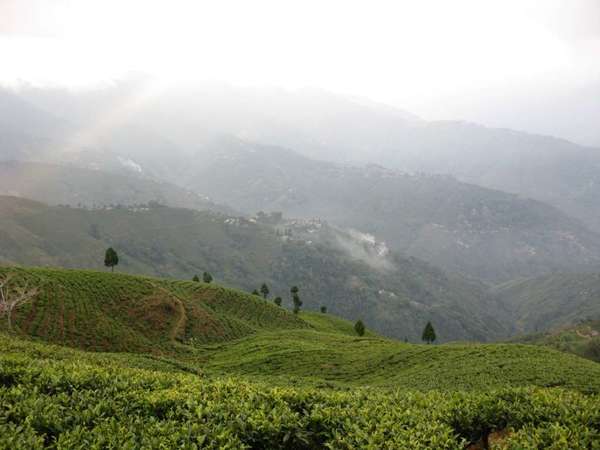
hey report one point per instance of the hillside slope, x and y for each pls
(550, 301)
(118, 312)
(582, 339)
(459, 227)
(69, 185)
(394, 295)
(56, 398)
(270, 379)
(194, 327)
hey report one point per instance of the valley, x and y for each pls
(201, 264)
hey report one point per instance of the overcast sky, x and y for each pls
(532, 65)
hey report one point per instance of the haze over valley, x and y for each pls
(248, 220)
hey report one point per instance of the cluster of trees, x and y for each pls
(264, 291)
(206, 277)
(428, 332)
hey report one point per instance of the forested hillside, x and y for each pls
(551, 301)
(459, 227)
(346, 272)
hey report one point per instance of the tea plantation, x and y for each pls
(188, 365)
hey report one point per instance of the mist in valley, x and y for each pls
(455, 143)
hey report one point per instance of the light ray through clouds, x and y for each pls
(464, 59)
(120, 114)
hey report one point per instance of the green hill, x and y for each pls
(345, 272)
(202, 366)
(118, 312)
(80, 400)
(226, 332)
(582, 339)
(552, 301)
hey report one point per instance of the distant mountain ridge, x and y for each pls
(69, 185)
(479, 232)
(330, 127)
(460, 227)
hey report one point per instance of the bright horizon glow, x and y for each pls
(407, 53)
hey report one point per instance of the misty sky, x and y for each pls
(530, 65)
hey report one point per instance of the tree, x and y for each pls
(207, 277)
(111, 259)
(428, 333)
(296, 299)
(255, 292)
(264, 290)
(196, 278)
(11, 297)
(324, 309)
(277, 301)
(359, 327)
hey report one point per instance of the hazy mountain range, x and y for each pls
(313, 123)
(484, 205)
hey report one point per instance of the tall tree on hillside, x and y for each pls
(324, 309)
(12, 296)
(196, 278)
(296, 299)
(207, 277)
(428, 333)
(359, 327)
(111, 259)
(264, 290)
(277, 301)
(255, 292)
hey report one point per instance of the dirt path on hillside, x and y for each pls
(181, 320)
(179, 326)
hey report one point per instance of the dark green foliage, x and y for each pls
(552, 301)
(207, 277)
(255, 292)
(111, 259)
(264, 290)
(277, 301)
(324, 309)
(119, 312)
(196, 278)
(592, 349)
(296, 299)
(359, 327)
(75, 400)
(582, 339)
(428, 333)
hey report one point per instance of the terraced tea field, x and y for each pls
(178, 364)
